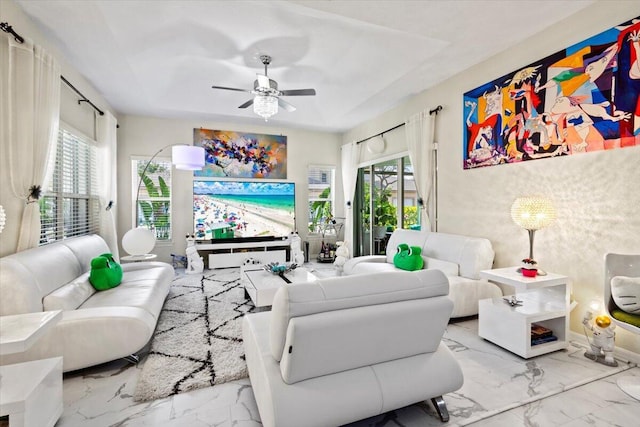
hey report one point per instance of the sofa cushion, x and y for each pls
(338, 293)
(448, 268)
(70, 296)
(472, 254)
(144, 288)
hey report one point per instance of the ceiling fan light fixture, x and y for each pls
(265, 106)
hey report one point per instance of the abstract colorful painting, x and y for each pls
(582, 99)
(242, 155)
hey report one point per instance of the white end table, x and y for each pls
(544, 301)
(31, 391)
(138, 258)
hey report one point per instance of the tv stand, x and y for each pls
(234, 253)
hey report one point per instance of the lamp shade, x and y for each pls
(139, 241)
(265, 105)
(532, 212)
(187, 157)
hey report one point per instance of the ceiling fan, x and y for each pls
(267, 96)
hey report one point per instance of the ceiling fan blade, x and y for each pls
(246, 104)
(284, 104)
(263, 81)
(298, 92)
(230, 88)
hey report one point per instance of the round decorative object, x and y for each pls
(3, 218)
(376, 145)
(139, 241)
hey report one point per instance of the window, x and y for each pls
(154, 200)
(385, 189)
(70, 205)
(321, 193)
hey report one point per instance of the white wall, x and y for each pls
(80, 117)
(596, 194)
(143, 136)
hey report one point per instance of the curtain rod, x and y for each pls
(4, 26)
(84, 98)
(431, 112)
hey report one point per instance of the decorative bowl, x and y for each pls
(276, 268)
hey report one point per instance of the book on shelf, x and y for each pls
(550, 338)
(539, 331)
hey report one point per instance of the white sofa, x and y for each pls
(346, 348)
(96, 327)
(460, 258)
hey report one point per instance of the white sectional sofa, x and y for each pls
(460, 258)
(341, 349)
(96, 327)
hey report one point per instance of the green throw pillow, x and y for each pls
(623, 316)
(408, 257)
(105, 272)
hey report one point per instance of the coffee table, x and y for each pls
(261, 286)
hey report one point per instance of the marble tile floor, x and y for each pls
(102, 396)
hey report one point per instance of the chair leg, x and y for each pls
(441, 408)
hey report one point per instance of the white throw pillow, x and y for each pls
(626, 293)
(70, 296)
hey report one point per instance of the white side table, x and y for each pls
(138, 258)
(545, 301)
(31, 391)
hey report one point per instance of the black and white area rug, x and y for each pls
(198, 340)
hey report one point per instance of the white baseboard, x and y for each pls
(620, 353)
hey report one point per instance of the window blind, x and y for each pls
(70, 205)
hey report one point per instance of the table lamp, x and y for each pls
(140, 240)
(532, 213)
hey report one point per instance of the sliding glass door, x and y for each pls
(383, 190)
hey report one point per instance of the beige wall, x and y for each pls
(143, 136)
(80, 117)
(596, 194)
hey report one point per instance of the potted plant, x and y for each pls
(529, 267)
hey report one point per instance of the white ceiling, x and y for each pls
(160, 58)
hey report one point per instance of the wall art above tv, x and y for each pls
(243, 209)
(242, 155)
(582, 99)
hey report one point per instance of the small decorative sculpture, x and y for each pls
(603, 340)
(342, 255)
(279, 269)
(195, 263)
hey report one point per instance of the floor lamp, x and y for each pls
(139, 241)
(532, 213)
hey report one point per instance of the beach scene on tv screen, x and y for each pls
(237, 209)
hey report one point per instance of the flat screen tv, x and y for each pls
(243, 209)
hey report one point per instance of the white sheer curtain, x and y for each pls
(29, 116)
(419, 130)
(349, 161)
(107, 178)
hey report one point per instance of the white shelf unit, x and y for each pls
(545, 301)
(233, 254)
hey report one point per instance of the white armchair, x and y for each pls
(620, 267)
(342, 349)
